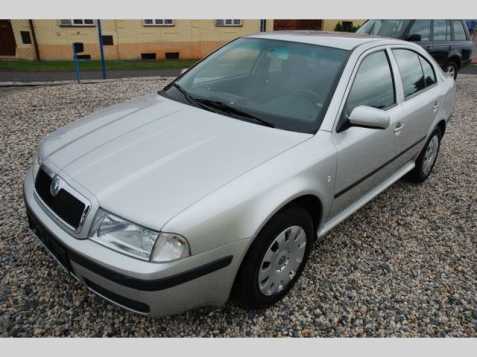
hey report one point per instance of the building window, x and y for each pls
(158, 22)
(228, 22)
(172, 55)
(148, 56)
(347, 26)
(108, 40)
(77, 22)
(26, 38)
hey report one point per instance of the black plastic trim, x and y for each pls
(150, 285)
(342, 192)
(122, 300)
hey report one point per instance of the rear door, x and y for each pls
(420, 104)
(462, 45)
(441, 41)
(365, 155)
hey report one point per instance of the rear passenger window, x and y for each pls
(411, 71)
(373, 84)
(442, 30)
(459, 32)
(421, 28)
(429, 74)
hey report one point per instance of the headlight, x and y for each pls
(139, 242)
(170, 247)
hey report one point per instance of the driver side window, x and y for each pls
(422, 29)
(373, 86)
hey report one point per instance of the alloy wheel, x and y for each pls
(282, 260)
(430, 154)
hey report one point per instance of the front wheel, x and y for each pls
(275, 259)
(427, 158)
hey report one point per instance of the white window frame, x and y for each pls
(159, 23)
(228, 23)
(71, 23)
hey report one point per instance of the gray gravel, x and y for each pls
(404, 265)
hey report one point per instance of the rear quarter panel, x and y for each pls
(448, 99)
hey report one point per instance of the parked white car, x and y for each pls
(220, 183)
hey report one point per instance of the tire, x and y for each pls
(452, 67)
(248, 291)
(424, 167)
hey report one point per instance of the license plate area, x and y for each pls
(51, 243)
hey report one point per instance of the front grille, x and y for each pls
(64, 204)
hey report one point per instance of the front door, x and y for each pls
(7, 40)
(420, 33)
(365, 155)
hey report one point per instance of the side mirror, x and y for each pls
(414, 38)
(369, 117)
(184, 70)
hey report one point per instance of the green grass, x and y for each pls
(87, 65)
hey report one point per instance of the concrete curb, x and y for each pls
(86, 81)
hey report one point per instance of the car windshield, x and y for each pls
(387, 28)
(281, 84)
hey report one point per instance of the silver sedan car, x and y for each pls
(218, 185)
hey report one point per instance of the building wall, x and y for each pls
(26, 51)
(330, 25)
(191, 38)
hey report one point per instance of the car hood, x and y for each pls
(148, 159)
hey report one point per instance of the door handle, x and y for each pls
(397, 129)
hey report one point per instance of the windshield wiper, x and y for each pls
(227, 108)
(221, 106)
(185, 94)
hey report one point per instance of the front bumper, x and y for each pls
(147, 288)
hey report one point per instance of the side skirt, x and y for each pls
(340, 217)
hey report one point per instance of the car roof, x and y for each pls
(342, 40)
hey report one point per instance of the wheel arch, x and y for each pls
(456, 59)
(311, 203)
(308, 201)
(441, 125)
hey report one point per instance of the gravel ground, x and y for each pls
(404, 265)
(10, 90)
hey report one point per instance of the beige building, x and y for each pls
(136, 39)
